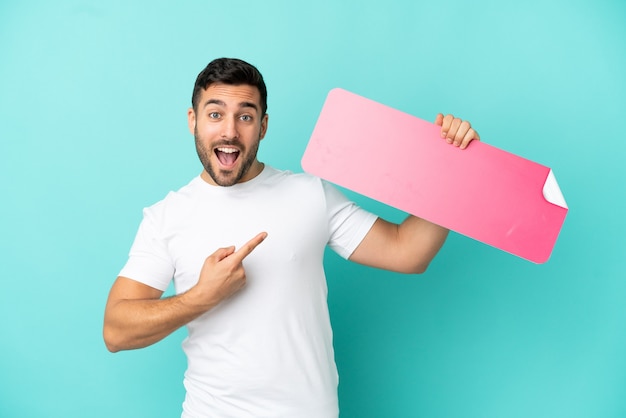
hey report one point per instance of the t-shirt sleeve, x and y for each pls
(149, 261)
(348, 222)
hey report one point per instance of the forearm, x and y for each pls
(137, 323)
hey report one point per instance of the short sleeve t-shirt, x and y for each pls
(267, 350)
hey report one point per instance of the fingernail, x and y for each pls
(443, 134)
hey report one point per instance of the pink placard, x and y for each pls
(482, 192)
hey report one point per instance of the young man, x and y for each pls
(244, 244)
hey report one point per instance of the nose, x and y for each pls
(229, 128)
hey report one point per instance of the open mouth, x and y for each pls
(227, 156)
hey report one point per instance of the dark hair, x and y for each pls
(229, 71)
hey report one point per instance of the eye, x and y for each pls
(214, 115)
(246, 118)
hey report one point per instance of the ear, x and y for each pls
(264, 126)
(191, 120)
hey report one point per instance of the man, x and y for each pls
(244, 244)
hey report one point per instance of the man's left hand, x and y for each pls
(456, 131)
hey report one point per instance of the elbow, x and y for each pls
(419, 268)
(421, 264)
(413, 268)
(408, 267)
(112, 343)
(112, 348)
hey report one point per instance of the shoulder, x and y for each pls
(274, 174)
(175, 202)
(286, 178)
(309, 189)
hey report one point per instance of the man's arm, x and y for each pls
(136, 316)
(410, 246)
(405, 248)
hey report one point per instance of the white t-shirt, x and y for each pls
(267, 350)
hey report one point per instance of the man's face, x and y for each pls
(228, 127)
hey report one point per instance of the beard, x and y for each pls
(226, 178)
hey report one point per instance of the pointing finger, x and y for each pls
(249, 246)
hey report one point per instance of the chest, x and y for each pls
(297, 230)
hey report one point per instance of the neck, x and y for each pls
(255, 169)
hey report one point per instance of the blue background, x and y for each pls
(93, 100)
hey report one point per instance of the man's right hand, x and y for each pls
(223, 274)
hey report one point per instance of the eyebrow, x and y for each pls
(223, 104)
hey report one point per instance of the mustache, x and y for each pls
(223, 142)
(228, 142)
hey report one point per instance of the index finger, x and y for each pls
(249, 246)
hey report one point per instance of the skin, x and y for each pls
(229, 117)
(456, 131)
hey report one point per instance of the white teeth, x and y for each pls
(227, 150)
